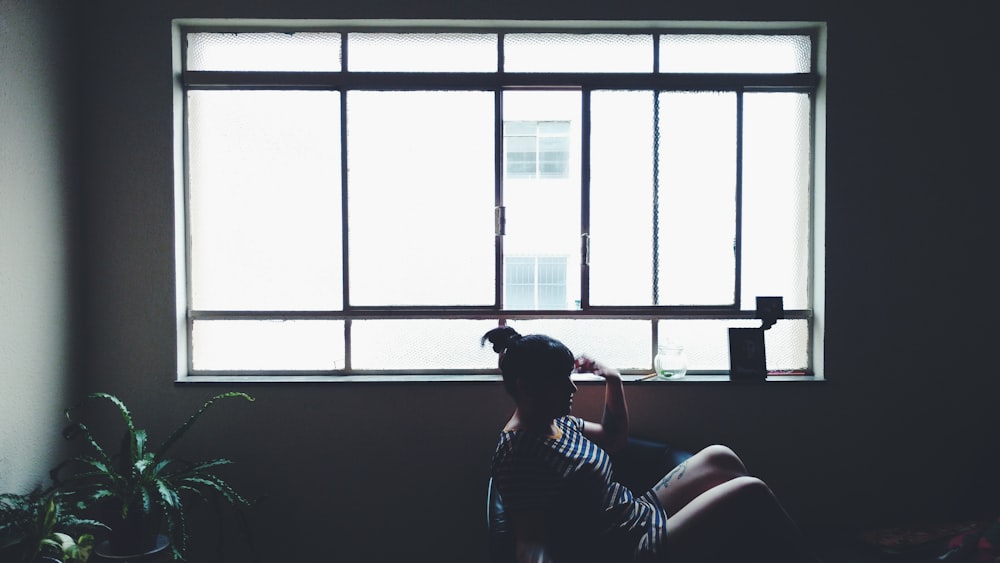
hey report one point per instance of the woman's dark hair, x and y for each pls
(535, 358)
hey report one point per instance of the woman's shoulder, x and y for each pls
(570, 423)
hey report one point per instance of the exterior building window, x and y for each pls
(535, 282)
(537, 149)
(359, 199)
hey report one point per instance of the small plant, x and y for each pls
(39, 524)
(139, 487)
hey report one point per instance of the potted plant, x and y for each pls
(137, 488)
(41, 526)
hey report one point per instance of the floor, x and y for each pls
(852, 550)
(849, 552)
(929, 544)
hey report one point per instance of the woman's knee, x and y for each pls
(724, 460)
(749, 490)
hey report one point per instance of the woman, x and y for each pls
(553, 472)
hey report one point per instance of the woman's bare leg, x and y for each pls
(706, 469)
(737, 520)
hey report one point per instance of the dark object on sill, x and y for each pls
(769, 310)
(747, 357)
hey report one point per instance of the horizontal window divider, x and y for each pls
(402, 81)
(629, 313)
(492, 27)
(715, 378)
(333, 373)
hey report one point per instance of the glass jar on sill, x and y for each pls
(670, 362)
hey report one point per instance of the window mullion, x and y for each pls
(656, 199)
(498, 152)
(738, 239)
(585, 200)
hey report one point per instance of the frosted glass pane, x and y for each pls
(421, 198)
(264, 200)
(543, 212)
(776, 202)
(301, 51)
(422, 52)
(421, 344)
(566, 52)
(624, 344)
(621, 191)
(267, 345)
(697, 204)
(706, 342)
(735, 53)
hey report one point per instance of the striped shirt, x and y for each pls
(567, 478)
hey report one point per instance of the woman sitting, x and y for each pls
(555, 477)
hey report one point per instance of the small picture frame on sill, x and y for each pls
(747, 357)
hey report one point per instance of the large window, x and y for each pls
(362, 199)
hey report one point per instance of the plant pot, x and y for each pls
(136, 535)
(159, 552)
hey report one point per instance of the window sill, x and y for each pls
(424, 378)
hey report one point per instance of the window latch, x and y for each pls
(500, 220)
(586, 249)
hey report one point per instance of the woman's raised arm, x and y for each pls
(612, 432)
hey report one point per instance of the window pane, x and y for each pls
(776, 180)
(621, 192)
(298, 51)
(553, 156)
(421, 344)
(422, 52)
(551, 283)
(519, 283)
(624, 344)
(421, 198)
(706, 342)
(264, 197)
(566, 52)
(697, 203)
(543, 214)
(521, 153)
(267, 345)
(735, 53)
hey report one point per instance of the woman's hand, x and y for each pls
(585, 364)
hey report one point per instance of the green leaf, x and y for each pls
(139, 443)
(218, 485)
(49, 516)
(168, 494)
(101, 453)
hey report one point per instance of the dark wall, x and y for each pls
(903, 429)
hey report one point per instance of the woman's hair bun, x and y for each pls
(501, 338)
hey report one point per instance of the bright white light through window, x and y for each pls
(373, 201)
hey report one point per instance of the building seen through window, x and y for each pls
(536, 149)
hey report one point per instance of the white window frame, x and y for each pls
(813, 82)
